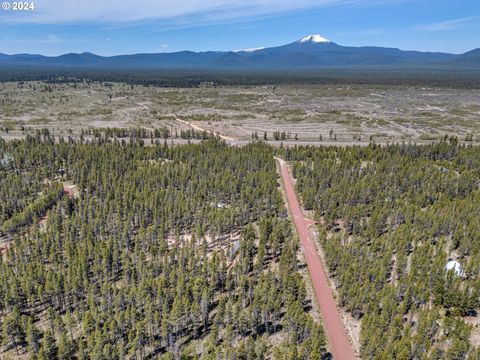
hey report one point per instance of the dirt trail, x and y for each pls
(337, 336)
(199, 128)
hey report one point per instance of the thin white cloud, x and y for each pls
(115, 11)
(448, 25)
(53, 39)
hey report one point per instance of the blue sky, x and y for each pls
(109, 27)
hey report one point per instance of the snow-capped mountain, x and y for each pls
(249, 50)
(317, 39)
(312, 51)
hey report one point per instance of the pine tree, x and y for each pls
(48, 349)
(13, 329)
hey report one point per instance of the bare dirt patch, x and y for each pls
(322, 114)
(71, 189)
(474, 321)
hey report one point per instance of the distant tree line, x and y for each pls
(181, 78)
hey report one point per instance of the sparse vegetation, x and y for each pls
(302, 111)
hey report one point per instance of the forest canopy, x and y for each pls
(115, 250)
(392, 218)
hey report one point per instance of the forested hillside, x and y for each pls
(391, 219)
(120, 251)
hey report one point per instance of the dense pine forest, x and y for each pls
(391, 218)
(178, 78)
(115, 250)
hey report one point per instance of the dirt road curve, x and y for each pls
(337, 337)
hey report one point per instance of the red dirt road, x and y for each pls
(337, 337)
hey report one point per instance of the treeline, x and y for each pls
(143, 133)
(135, 133)
(140, 264)
(411, 76)
(394, 216)
(277, 136)
(35, 210)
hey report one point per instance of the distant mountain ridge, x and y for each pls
(470, 58)
(312, 51)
